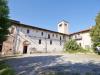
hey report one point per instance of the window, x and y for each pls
(48, 36)
(28, 30)
(66, 24)
(56, 35)
(50, 42)
(60, 37)
(39, 41)
(36, 31)
(52, 35)
(60, 25)
(42, 33)
(75, 36)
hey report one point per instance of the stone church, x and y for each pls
(26, 39)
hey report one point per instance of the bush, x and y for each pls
(71, 46)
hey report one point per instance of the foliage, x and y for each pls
(4, 21)
(95, 32)
(5, 69)
(71, 45)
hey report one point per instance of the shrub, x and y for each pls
(72, 46)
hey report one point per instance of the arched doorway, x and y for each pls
(25, 49)
(25, 46)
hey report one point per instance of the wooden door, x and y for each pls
(24, 49)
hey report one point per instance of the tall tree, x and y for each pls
(4, 20)
(95, 32)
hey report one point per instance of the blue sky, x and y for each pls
(47, 13)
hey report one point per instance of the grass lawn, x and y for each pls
(5, 69)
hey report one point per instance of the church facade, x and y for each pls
(25, 39)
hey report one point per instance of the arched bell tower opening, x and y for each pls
(63, 27)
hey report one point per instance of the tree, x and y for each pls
(4, 20)
(95, 32)
(71, 45)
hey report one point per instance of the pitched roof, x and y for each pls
(82, 31)
(20, 24)
(29, 26)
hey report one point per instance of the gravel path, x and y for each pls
(37, 64)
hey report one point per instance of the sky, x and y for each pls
(47, 14)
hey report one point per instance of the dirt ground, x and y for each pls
(37, 64)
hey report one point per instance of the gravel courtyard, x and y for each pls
(67, 64)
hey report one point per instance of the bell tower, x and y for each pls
(63, 27)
